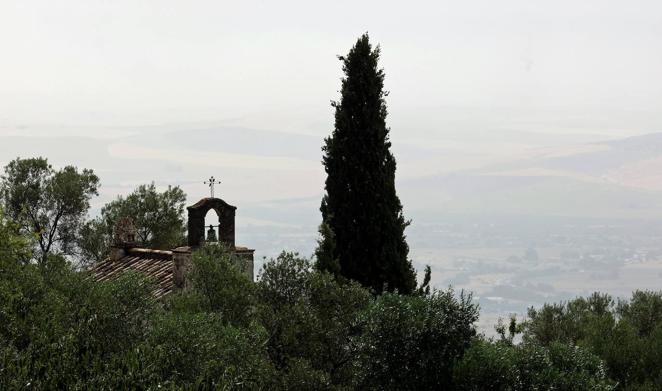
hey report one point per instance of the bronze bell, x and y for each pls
(211, 234)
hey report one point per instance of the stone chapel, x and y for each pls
(169, 266)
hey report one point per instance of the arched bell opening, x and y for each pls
(212, 226)
(198, 216)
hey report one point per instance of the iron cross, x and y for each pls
(211, 182)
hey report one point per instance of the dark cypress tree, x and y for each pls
(362, 232)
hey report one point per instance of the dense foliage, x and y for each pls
(626, 334)
(500, 365)
(296, 328)
(413, 342)
(362, 221)
(300, 328)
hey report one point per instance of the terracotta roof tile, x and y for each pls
(157, 264)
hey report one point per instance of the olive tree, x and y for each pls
(48, 205)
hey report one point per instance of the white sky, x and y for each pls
(466, 75)
(556, 65)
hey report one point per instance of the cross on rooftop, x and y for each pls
(211, 182)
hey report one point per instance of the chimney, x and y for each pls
(124, 238)
(181, 257)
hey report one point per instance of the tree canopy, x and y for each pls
(626, 334)
(362, 220)
(158, 216)
(48, 204)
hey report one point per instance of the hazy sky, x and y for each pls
(466, 79)
(533, 65)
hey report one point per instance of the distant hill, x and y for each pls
(619, 178)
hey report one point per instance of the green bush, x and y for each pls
(413, 342)
(217, 286)
(60, 329)
(202, 350)
(490, 365)
(627, 335)
(311, 320)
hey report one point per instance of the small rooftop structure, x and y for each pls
(196, 221)
(169, 266)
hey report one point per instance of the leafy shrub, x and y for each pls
(311, 319)
(489, 365)
(412, 342)
(202, 350)
(60, 329)
(627, 335)
(217, 286)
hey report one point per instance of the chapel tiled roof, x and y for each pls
(157, 264)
